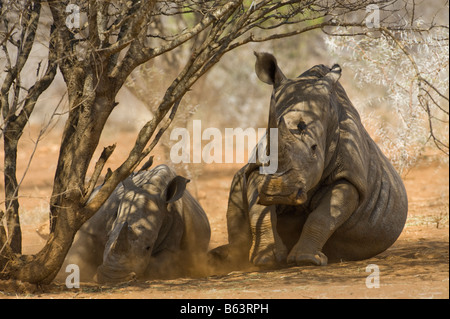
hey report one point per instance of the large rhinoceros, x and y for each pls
(150, 226)
(334, 195)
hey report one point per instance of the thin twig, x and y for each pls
(107, 151)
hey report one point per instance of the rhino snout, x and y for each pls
(281, 190)
(107, 274)
(296, 197)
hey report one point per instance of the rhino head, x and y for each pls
(135, 234)
(302, 109)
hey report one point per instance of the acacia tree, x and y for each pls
(96, 45)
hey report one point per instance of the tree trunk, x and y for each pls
(14, 234)
(43, 267)
(80, 139)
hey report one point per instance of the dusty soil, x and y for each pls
(416, 266)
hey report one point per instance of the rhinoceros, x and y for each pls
(334, 195)
(150, 227)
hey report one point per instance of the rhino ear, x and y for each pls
(267, 69)
(175, 189)
(334, 75)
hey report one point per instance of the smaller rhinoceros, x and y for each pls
(150, 227)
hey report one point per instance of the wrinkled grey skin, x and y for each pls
(334, 197)
(150, 227)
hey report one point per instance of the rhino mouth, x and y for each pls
(107, 274)
(295, 196)
(284, 188)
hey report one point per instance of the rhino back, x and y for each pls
(383, 200)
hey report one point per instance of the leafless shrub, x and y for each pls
(411, 64)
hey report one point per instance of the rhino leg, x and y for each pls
(267, 247)
(336, 206)
(234, 254)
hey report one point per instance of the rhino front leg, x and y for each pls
(267, 247)
(336, 206)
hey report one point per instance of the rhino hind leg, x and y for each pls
(364, 238)
(351, 246)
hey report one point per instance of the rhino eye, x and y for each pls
(301, 127)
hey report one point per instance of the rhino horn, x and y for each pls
(285, 136)
(272, 121)
(285, 133)
(272, 116)
(333, 75)
(121, 244)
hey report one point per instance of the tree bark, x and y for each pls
(80, 140)
(43, 267)
(14, 234)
